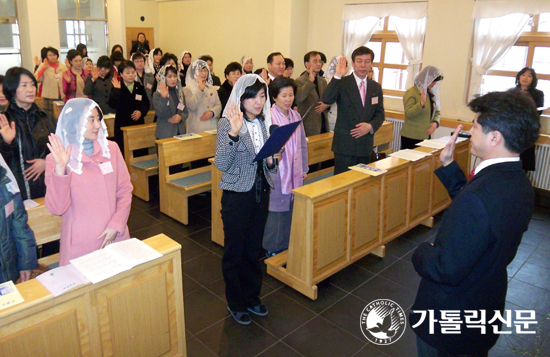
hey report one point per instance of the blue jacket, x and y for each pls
(17, 244)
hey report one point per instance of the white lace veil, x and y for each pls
(193, 72)
(149, 64)
(162, 78)
(71, 129)
(425, 77)
(238, 90)
(331, 68)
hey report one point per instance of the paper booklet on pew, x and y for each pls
(408, 154)
(9, 295)
(188, 136)
(213, 131)
(114, 259)
(366, 169)
(62, 279)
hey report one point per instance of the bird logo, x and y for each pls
(383, 322)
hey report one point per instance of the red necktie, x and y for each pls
(362, 92)
(472, 174)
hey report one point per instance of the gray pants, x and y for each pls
(277, 230)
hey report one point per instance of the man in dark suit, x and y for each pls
(464, 270)
(360, 110)
(311, 87)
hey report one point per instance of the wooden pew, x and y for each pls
(176, 188)
(340, 219)
(46, 228)
(141, 168)
(319, 149)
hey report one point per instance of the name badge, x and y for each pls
(138, 97)
(212, 100)
(374, 100)
(9, 208)
(180, 106)
(106, 167)
(148, 86)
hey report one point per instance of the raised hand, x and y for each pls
(201, 82)
(423, 97)
(235, 119)
(116, 82)
(263, 74)
(163, 90)
(311, 75)
(95, 74)
(341, 67)
(36, 60)
(447, 155)
(7, 129)
(66, 76)
(60, 155)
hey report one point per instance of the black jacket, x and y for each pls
(33, 127)
(125, 103)
(99, 91)
(465, 269)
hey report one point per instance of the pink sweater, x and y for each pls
(90, 202)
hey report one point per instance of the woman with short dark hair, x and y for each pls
(526, 80)
(24, 133)
(74, 78)
(292, 170)
(99, 84)
(140, 45)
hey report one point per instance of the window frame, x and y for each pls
(531, 40)
(384, 37)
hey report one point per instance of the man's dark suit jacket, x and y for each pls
(351, 112)
(479, 236)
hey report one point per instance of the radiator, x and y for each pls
(540, 178)
(397, 126)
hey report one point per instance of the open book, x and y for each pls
(114, 259)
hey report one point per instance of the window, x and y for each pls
(10, 44)
(531, 49)
(83, 21)
(390, 63)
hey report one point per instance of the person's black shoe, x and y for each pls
(241, 317)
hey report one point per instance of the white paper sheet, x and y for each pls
(411, 155)
(432, 144)
(62, 279)
(30, 204)
(133, 252)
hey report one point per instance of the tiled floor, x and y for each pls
(329, 326)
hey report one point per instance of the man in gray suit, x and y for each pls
(311, 87)
(360, 110)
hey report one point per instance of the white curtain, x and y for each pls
(493, 37)
(411, 36)
(358, 33)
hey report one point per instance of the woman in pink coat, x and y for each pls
(87, 182)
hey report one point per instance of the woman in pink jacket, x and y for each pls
(87, 182)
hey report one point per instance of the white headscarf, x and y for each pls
(11, 186)
(162, 78)
(180, 64)
(150, 63)
(193, 72)
(244, 59)
(71, 129)
(238, 90)
(331, 67)
(425, 77)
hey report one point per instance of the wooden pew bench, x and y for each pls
(175, 189)
(46, 228)
(141, 168)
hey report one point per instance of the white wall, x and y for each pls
(135, 9)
